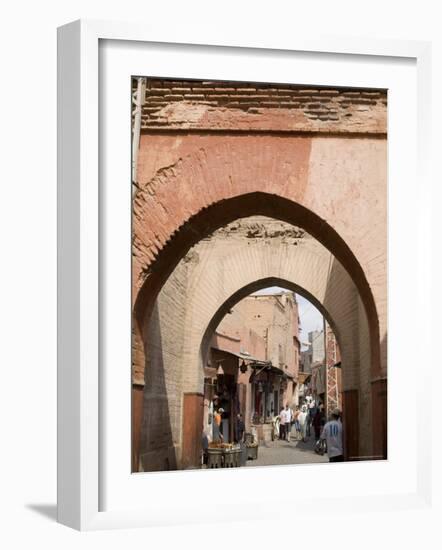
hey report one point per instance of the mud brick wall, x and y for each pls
(217, 106)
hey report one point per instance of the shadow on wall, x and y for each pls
(347, 333)
(361, 351)
(157, 451)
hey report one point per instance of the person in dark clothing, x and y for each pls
(240, 428)
(205, 447)
(318, 422)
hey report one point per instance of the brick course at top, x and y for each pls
(233, 106)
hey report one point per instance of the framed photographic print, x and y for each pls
(231, 270)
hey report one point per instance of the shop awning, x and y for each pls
(241, 355)
(303, 377)
(257, 364)
(268, 367)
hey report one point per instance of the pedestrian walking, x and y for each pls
(311, 411)
(275, 426)
(302, 419)
(296, 422)
(282, 423)
(288, 422)
(332, 433)
(239, 428)
(318, 422)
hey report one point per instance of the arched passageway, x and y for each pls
(201, 225)
(216, 274)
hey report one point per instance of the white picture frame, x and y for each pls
(81, 395)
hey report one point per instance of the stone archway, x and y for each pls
(148, 282)
(355, 361)
(218, 273)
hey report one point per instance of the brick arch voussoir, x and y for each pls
(163, 205)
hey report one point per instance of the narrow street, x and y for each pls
(284, 452)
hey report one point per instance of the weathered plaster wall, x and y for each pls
(162, 406)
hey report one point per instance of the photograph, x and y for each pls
(259, 274)
(222, 226)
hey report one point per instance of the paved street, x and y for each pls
(283, 452)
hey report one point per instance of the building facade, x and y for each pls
(253, 364)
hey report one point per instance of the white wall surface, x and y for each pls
(28, 273)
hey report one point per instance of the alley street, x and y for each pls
(282, 452)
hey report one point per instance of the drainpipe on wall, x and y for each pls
(138, 100)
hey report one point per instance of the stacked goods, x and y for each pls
(232, 457)
(252, 446)
(218, 445)
(223, 455)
